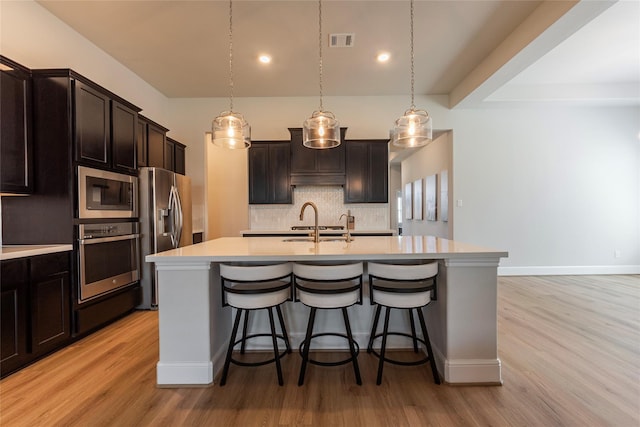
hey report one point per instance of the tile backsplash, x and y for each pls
(330, 203)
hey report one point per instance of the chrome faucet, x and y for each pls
(348, 235)
(316, 233)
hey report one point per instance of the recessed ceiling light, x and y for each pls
(383, 57)
(265, 59)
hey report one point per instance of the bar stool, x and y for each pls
(328, 287)
(402, 286)
(256, 287)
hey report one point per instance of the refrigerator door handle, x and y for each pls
(172, 208)
(179, 218)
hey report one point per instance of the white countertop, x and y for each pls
(20, 251)
(361, 248)
(322, 232)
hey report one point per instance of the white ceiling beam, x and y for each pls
(550, 24)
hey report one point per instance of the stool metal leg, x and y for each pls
(227, 360)
(413, 331)
(275, 345)
(374, 328)
(352, 348)
(244, 331)
(307, 344)
(432, 361)
(384, 345)
(284, 329)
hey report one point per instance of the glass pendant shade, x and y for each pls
(414, 129)
(231, 130)
(321, 130)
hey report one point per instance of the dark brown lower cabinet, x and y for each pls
(35, 304)
(14, 303)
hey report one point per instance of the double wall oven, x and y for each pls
(108, 239)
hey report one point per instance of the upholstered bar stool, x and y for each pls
(320, 286)
(402, 286)
(255, 287)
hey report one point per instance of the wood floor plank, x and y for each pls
(569, 347)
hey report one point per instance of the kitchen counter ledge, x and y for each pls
(21, 251)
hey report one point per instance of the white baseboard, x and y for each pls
(568, 270)
(184, 374)
(473, 371)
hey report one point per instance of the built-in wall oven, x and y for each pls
(108, 258)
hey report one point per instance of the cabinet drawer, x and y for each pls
(50, 264)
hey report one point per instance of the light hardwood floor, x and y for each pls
(569, 345)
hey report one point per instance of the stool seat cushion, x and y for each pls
(250, 296)
(328, 294)
(402, 299)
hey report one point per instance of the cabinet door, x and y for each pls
(141, 144)
(269, 173)
(378, 173)
(303, 159)
(50, 303)
(367, 172)
(279, 173)
(14, 312)
(92, 113)
(179, 159)
(124, 124)
(156, 145)
(258, 174)
(16, 168)
(357, 155)
(169, 154)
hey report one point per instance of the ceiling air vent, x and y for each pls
(341, 40)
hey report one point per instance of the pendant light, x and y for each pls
(321, 130)
(230, 129)
(414, 129)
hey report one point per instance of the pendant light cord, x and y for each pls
(413, 107)
(320, 47)
(231, 55)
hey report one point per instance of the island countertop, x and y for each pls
(361, 248)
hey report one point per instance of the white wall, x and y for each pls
(33, 37)
(555, 186)
(431, 160)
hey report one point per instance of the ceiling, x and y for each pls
(182, 47)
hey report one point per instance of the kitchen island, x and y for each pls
(194, 327)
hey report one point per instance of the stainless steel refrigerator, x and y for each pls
(165, 222)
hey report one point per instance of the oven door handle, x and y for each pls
(108, 239)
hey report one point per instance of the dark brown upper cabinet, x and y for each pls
(174, 156)
(367, 171)
(16, 139)
(106, 128)
(316, 167)
(155, 143)
(269, 167)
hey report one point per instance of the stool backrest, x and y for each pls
(328, 272)
(402, 271)
(255, 273)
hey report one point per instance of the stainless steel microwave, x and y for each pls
(104, 194)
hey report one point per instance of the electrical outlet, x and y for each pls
(617, 253)
(459, 203)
